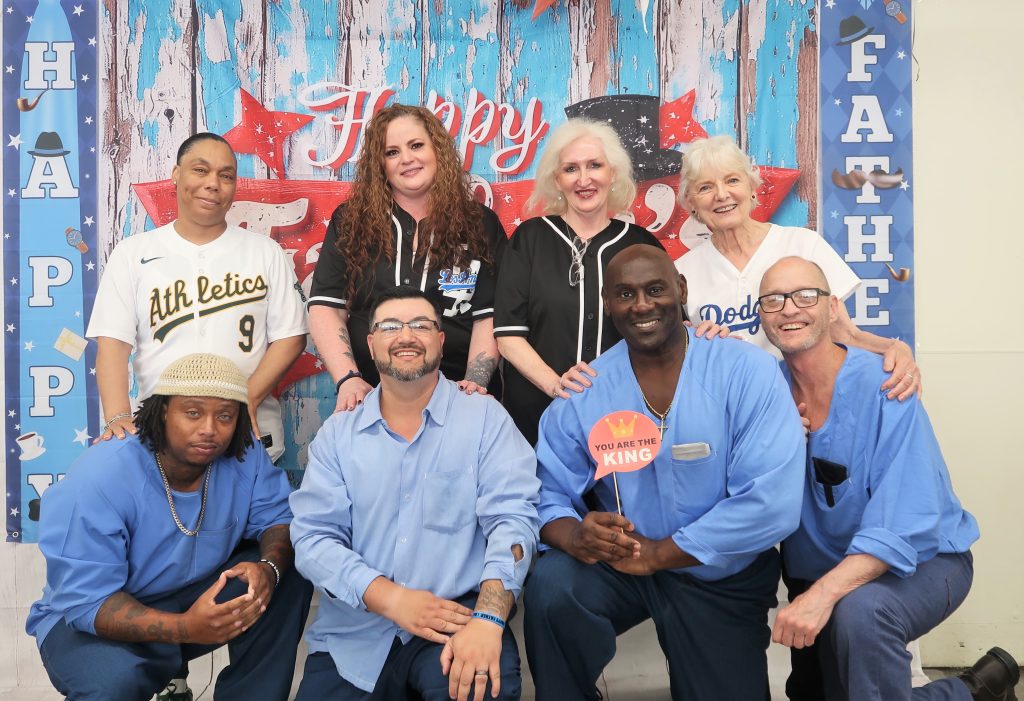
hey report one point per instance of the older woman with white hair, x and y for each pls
(718, 185)
(549, 319)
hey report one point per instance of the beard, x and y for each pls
(386, 367)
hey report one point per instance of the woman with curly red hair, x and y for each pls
(411, 220)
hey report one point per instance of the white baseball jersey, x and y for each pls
(719, 292)
(168, 297)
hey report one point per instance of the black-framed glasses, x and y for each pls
(807, 297)
(393, 327)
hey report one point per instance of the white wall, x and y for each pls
(968, 111)
(968, 153)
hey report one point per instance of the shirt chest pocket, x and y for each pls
(698, 482)
(449, 500)
(212, 549)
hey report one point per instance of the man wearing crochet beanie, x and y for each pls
(143, 569)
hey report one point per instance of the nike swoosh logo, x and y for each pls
(149, 260)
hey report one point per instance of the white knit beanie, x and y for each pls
(203, 375)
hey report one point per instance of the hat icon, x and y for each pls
(851, 29)
(48, 143)
(635, 119)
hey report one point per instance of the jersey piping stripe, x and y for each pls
(600, 287)
(501, 329)
(328, 301)
(579, 331)
(398, 250)
(488, 310)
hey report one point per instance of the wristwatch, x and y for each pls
(343, 380)
(895, 10)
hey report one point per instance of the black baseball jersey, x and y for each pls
(564, 324)
(464, 295)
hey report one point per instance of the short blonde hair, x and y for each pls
(718, 152)
(546, 199)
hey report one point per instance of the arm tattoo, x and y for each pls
(346, 342)
(122, 617)
(481, 368)
(276, 546)
(494, 599)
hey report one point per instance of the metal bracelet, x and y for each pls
(277, 572)
(116, 417)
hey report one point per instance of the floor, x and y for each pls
(636, 674)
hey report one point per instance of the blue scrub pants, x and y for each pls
(714, 634)
(863, 649)
(86, 667)
(412, 671)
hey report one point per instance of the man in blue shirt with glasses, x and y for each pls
(417, 520)
(882, 554)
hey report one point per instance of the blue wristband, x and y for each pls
(489, 617)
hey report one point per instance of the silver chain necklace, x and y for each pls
(170, 499)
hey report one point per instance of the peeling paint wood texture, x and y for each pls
(172, 67)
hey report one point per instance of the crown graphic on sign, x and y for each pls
(623, 430)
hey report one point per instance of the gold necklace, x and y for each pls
(170, 499)
(650, 407)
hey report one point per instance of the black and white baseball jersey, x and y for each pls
(565, 324)
(464, 295)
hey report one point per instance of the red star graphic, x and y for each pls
(539, 6)
(263, 133)
(677, 124)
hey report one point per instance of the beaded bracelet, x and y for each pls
(489, 617)
(116, 417)
(277, 572)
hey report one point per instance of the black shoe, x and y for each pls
(993, 677)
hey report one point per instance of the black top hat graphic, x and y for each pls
(49, 144)
(635, 119)
(851, 29)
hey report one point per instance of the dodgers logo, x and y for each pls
(451, 279)
(746, 317)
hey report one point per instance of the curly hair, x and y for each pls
(455, 220)
(150, 423)
(546, 199)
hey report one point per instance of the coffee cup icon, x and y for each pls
(31, 445)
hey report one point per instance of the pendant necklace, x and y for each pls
(662, 415)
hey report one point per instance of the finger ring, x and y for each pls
(909, 376)
(482, 673)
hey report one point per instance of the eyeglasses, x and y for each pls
(801, 298)
(393, 327)
(579, 248)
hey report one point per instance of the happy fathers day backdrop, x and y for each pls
(96, 100)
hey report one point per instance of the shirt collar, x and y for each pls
(368, 413)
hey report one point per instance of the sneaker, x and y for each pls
(176, 690)
(993, 677)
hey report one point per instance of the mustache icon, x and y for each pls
(855, 179)
(24, 105)
(902, 276)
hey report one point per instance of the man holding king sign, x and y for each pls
(711, 451)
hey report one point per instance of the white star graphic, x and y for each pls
(78, 10)
(642, 141)
(89, 221)
(672, 236)
(837, 102)
(29, 19)
(88, 120)
(90, 265)
(899, 111)
(517, 221)
(29, 346)
(259, 128)
(11, 328)
(82, 436)
(92, 371)
(14, 281)
(15, 140)
(6, 235)
(318, 364)
(11, 413)
(17, 427)
(77, 314)
(10, 9)
(85, 77)
(270, 140)
(14, 511)
(834, 214)
(10, 193)
(10, 69)
(830, 4)
(92, 41)
(92, 149)
(904, 185)
(643, 120)
(901, 55)
(507, 197)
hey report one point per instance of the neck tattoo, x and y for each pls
(170, 499)
(661, 415)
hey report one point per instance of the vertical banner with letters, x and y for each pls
(866, 156)
(49, 238)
